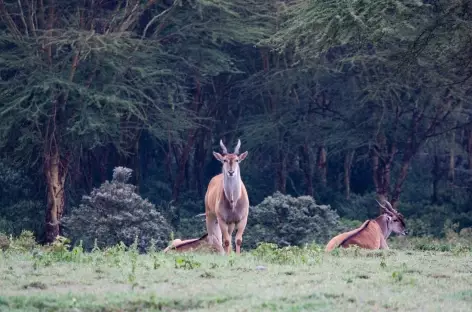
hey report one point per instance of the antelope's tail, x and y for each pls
(335, 242)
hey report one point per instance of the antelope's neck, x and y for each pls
(382, 222)
(232, 188)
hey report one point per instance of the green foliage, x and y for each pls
(186, 262)
(114, 213)
(97, 86)
(293, 255)
(347, 224)
(156, 85)
(285, 220)
(191, 227)
(455, 242)
(357, 207)
(4, 242)
(19, 207)
(25, 242)
(424, 218)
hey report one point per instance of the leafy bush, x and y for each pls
(424, 218)
(285, 220)
(24, 242)
(114, 213)
(347, 224)
(458, 245)
(191, 227)
(19, 207)
(4, 242)
(357, 207)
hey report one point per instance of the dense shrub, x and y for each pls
(114, 213)
(20, 208)
(424, 218)
(191, 227)
(357, 207)
(286, 220)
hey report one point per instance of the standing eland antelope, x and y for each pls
(372, 234)
(227, 202)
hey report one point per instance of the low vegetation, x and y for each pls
(287, 221)
(59, 277)
(115, 213)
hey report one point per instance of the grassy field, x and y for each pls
(266, 279)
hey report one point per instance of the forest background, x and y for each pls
(342, 101)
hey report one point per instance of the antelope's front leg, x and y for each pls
(383, 244)
(226, 235)
(239, 235)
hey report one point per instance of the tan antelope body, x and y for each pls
(227, 202)
(194, 244)
(372, 234)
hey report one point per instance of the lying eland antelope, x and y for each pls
(372, 234)
(194, 244)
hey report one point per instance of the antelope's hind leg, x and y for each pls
(239, 235)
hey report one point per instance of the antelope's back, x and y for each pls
(368, 238)
(213, 193)
(338, 239)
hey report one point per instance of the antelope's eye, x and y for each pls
(237, 160)
(225, 160)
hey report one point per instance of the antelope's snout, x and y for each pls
(231, 173)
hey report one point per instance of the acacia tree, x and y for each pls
(205, 35)
(85, 77)
(408, 62)
(75, 75)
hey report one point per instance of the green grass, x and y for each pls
(267, 279)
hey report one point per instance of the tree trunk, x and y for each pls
(322, 165)
(183, 165)
(137, 165)
(452, 158)
(436, 177)
(199, 163)
(182, 161)
(381, 168)
(168, 160)
(469, 147)
(307, 169)
(401, 177)
(187, 175)
(281, 180)
(348, 158)
(55, 172)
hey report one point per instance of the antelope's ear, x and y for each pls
(218, 156)
(242, 156)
